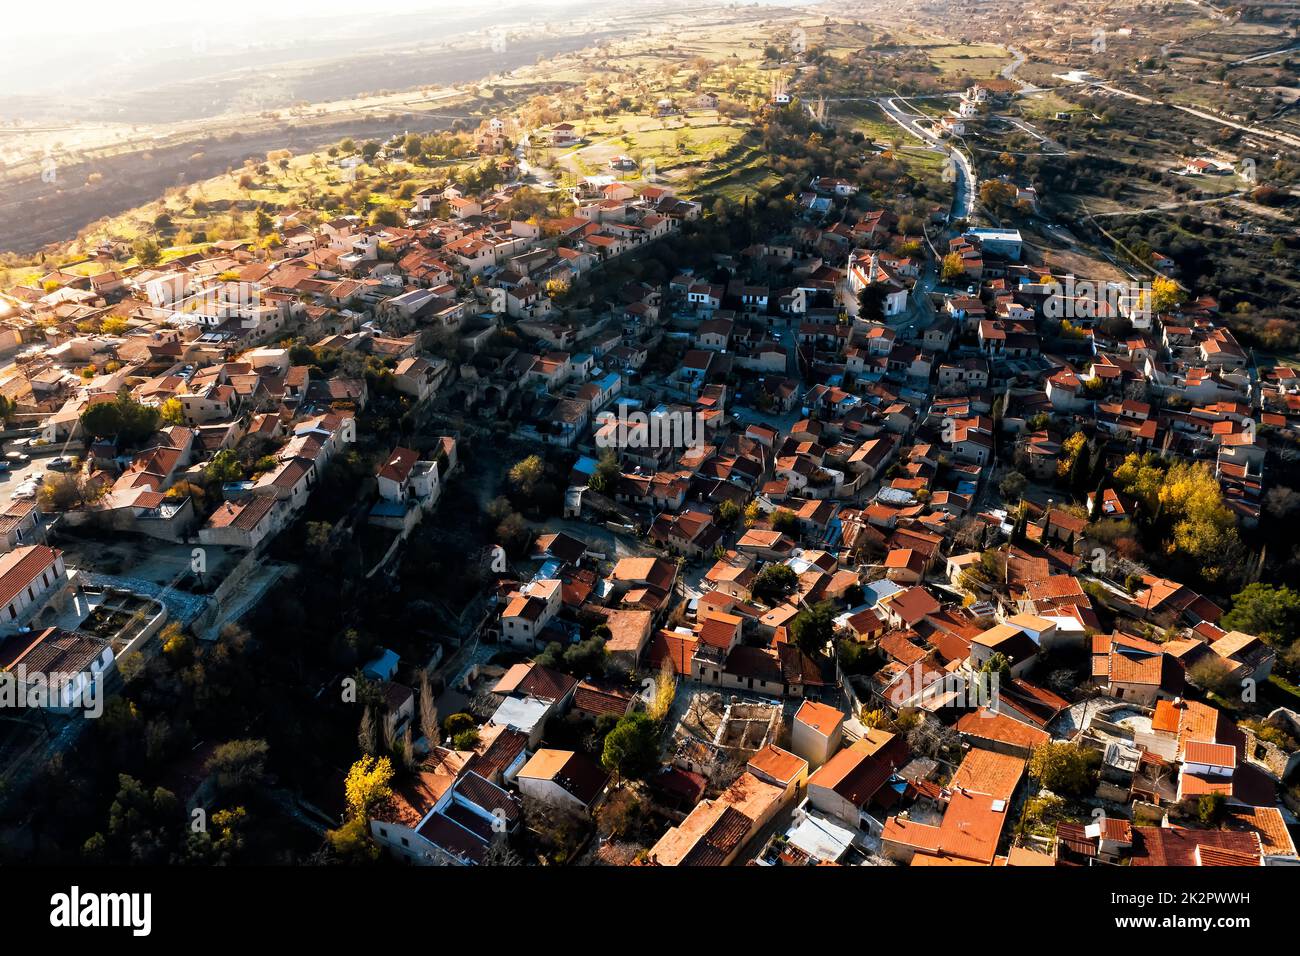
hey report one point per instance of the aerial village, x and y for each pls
(857, 563)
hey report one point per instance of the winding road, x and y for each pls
(963, 176)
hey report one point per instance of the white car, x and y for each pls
(22, 492)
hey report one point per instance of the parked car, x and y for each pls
(4, 465)
(59, 463)
(17, 457)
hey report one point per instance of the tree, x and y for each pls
(366, 787)
(632, 747)
(605, 475)
(993, 673)
(513, 533)
(1205, 528)
(953, 268)
(1213, 675)
(128, 420)
(996, 194)
(812, 628)
(1066, 769)
(1209, 808)
(368, 732)
(1071, 451)
(774, 582)
(147, 251)
(875, 719)
(665, 690)
(428, 712)
(526, 474)
(466, 740)
(1095, 512)
(1013, 486)
(1165, 294)
(223, 468)
(172, 412)
(499, 853)
(66, 492)
(622, 813)
(221, 843)
(175, 645)
(1141, 477)
(1266, 611)
(871, 302)
(318, 536)
(1020, 530)
(784, 520)
(238, 766)
(855, 657)
(457, 723)
(728, 514)
(144, 826)
(587, 658)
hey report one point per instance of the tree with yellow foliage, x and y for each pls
(1187, 497)
(875, 719)
(366, 786)
(172, 412)
(1205, 528)
(953, 268)
(1163, 296)
(175, 644)
(665, 689)
(1070, 450)
(1141, 477)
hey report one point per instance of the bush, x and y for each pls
(1067, 769)
(855, 657)
(458, 723)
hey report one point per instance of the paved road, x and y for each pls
(1265, 56)
(959, 170)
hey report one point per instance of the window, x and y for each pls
(383, 831)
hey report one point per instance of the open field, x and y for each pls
(111, 170)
